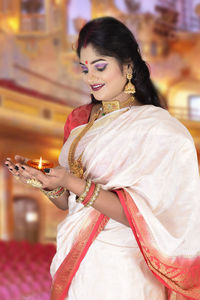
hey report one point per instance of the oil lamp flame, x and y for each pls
(40, 163)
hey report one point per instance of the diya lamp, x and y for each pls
(39, 164)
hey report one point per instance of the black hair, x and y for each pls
(110, 37)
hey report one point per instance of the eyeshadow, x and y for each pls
(84, 68)
(101, 65)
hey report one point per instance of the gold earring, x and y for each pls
(129, 87)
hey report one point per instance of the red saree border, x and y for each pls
(179, 280)
(67, 270)
(130, 220)
(172, 276)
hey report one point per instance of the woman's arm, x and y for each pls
(107, 202)
(62, 201)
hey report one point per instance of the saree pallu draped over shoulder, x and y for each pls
(148, 158)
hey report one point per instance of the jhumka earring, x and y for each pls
(129, 87)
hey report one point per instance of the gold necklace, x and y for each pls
(76, 166)
(110, 106)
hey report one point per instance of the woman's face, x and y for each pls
(103, 75)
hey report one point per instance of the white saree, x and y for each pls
(152, 156)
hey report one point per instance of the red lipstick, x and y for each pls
(96, 87)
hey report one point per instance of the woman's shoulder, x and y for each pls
(171, 126)
(82, 112)
(159, 121)
(77, 117)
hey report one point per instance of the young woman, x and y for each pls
(129, 176)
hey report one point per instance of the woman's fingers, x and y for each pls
(32, 173)
(20, 159)
(21, 178)
(8, 161)
(24, 172)
(54, 171)
(11, 166)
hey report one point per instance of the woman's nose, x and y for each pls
(90, 78)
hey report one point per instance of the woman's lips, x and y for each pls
(96, 87)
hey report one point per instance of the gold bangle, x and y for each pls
(94, 196)
(56, 193)
(84, 194)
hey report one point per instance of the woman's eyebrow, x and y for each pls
(93, 62)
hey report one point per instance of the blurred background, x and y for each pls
(40, 84)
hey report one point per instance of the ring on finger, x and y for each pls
(16, 177)
(34, 183)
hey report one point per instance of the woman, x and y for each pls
(129, 175)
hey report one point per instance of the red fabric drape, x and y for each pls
(180, 275)
(77, 117)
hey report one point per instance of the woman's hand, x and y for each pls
(14, 169)
(50, 180)
(18, 158)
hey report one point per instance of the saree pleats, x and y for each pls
(64, 275)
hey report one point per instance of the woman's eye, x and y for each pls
(101, 68)
(84, 69)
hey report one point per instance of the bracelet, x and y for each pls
(57, 192)
(84, 194)
(94, 196)
(89, 194)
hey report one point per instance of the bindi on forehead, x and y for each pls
(92, 62)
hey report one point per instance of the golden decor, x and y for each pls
(94, 196)
(56, 193)
(76, 166)
(129, 87)
(110, 106)
(87, 187)
(34, 183)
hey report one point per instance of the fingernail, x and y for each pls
(16, 168)
(46, 170)
(23, 168)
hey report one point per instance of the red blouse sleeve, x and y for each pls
(77, 117)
